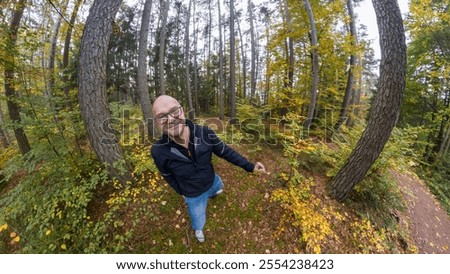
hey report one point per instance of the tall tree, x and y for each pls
(10, 81)
(243, 80)
(221, 82)
(232, 66)
(92, 85)
(66, 51)
(253, 53)
(315, 65)
(142, 79)
(187, 63)
(162, 42)
(386, 107)
(350, 74)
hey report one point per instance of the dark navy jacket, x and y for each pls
(190, 171)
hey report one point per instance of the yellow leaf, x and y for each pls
(13, 235)
(63, 246)
(3, 227)
(48, 232)
(16, 239)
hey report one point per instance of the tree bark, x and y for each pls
(386, 107)
(92, 85)
(142, 80)
(315, 66)
(10, 70)
(350, 75)
(162, 42)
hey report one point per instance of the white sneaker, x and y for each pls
(199, 235)
(217, 193)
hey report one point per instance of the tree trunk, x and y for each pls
(186, 55)
(253, 54)
(67, 40)
(196, 90)
(3, 136)
(10, 68)
(92, 85)
(221, 103)
(349, 88)
(386, 107)
(162, 39)
(244, 61)
(232, 66)
(142, 80)
(51, 59)
(315, 66)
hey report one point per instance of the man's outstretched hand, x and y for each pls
(259, 167)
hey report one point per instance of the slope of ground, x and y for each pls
(430, 223)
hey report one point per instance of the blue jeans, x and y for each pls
(197, 205)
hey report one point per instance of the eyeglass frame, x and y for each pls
(166, 115)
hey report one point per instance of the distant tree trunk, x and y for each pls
(356, 98)
(349, 88)
(3, 136)
(315, 66)
(208, 64)
(51, 59)
(186, 63)
(142, 80)
(197, 104)
(232, 66)
(162, 42)
(253, 54)
(221, 84)
(244, 61)
(265, 13)
(386, 107)
(67, 40)
(92, 85)
(9, 78)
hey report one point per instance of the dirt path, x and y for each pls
(430, 223)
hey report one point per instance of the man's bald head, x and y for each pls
(164, 102)
(169, 115)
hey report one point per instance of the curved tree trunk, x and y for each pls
(92, 85)
(386, 108)
(142, 81)
(10, 67)
(315, 65)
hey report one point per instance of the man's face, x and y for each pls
(169, 116)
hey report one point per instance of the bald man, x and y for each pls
(183, 156)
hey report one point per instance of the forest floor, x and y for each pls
(430, 223)
(244, 220)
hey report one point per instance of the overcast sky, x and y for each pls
(366, 16)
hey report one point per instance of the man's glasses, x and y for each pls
(164, 118)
